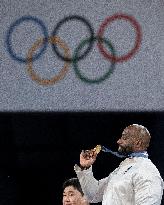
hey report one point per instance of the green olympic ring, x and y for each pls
(75, 62)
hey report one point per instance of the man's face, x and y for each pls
(126, 142)
(72, 196)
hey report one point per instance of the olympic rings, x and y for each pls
(76, 55)
(90, 29)
(10, 31)
(134, 23)
(77, 71)
(64, 70)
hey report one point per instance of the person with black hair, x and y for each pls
(72, 193)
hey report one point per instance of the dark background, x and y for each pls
(38, 150)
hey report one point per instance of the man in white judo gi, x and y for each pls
(136, 181)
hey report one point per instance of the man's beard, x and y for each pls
(125, 149)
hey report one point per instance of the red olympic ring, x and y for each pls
(101, 30)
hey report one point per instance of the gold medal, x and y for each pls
(97, 149)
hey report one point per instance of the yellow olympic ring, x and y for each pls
(34, 76)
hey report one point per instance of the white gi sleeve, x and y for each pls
(93, 189)
(148, 188)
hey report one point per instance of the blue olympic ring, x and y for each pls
(9, 41)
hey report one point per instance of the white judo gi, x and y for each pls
(136, 181)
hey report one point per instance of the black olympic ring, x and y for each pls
(90, 29)
(10, 31)
(107, 74)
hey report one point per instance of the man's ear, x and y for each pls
(138, 143)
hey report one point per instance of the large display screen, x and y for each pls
(71, 55)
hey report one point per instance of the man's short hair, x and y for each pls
(142, 133)
(75, 183)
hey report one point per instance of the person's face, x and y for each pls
(72, 196)
(126, 142)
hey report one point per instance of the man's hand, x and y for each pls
(87, 158)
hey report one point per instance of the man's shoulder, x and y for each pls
(145, 166)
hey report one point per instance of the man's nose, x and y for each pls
(66, 199)
(118, 141)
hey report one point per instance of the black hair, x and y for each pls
(75, 183)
